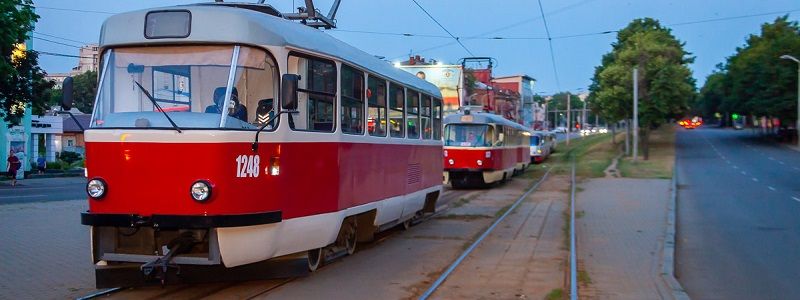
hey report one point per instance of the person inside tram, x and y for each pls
(239, 111)
(473, 139)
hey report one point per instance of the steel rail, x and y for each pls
(475, 244)
(573, 264)
(100, 293)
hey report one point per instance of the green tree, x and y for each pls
(84, 91)
(665, 82)
(754, 81)
(21, 80)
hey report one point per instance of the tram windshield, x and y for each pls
(140, 85)
(469, 135)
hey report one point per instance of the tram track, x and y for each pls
(452, 267)
(257, 288)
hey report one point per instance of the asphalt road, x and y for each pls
(738, 216)
(43, 190)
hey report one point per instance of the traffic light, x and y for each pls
(735, 116)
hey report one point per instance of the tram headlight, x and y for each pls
(96, 188)
(480, 162)
(451, 161)
(200, 191)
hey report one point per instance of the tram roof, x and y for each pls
(213, 23)
(483, 118)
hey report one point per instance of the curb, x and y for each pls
(668, 253)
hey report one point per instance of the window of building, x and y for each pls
(426, 117)
(316, 93)
(376, 112)
(412, 114)
(396, 107)
(437, 119)
(352, 100)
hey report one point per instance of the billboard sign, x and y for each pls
(447, 77)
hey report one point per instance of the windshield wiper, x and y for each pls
(158, 106)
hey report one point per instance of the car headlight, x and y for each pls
(201, 191)
(96, 188)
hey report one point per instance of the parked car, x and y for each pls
(560, 129)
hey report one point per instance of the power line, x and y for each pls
(61, 38)
(61, 54)
(56, 42)
(445, 29)
(550, 43)
(733, 18)
(75, 10)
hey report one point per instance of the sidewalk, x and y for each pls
(621, 225)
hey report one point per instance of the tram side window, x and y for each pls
(376, 92)
(316, 94)
(352, 100)
(501, 135)
(412, 108)
(396, 106)
(426, 117)
(437, 119)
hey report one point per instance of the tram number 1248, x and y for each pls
(247, 165)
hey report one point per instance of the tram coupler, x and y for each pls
(182, 244)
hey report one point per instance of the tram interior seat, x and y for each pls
(265, 111)
(239, 110)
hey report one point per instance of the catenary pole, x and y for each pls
(635, 113)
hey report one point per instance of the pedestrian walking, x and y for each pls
(41, 164)
(13, 166)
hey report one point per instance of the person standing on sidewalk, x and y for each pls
(41, 164)
(13, 166)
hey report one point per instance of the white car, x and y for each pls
(560, 129)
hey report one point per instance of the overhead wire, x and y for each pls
(56, 42)
(60, 54)
(550, 43)
(61, 38)
(443, 28)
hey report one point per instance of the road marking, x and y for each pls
(796, 168)
(735, 167)
(755, 179)
(796, 199)
(727, 161)
(771, 188)
(780, 162)
(26, 196)
(744, 173)
(771, 158)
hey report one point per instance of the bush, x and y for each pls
(69, 157)
(53, 165)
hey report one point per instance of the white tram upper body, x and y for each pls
(364, 140)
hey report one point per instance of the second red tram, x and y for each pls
(482, 148)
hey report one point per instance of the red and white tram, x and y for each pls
(192, 161)
(481, 148)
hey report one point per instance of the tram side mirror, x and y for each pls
(66, 90)
(289, 91)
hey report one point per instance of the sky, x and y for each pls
(710, 29)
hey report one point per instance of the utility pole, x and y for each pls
(797, 124)
(635, 113)
(569, 121)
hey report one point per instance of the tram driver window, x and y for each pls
(255, 87)
(316, 93)
(396, 107)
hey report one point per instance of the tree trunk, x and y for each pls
(645, 142)
(613, 134)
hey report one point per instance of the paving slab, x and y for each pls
(621, 226)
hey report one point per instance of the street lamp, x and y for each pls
(797, 123)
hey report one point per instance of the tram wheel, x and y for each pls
(351, 239)
(315, 257)
(406, 224)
